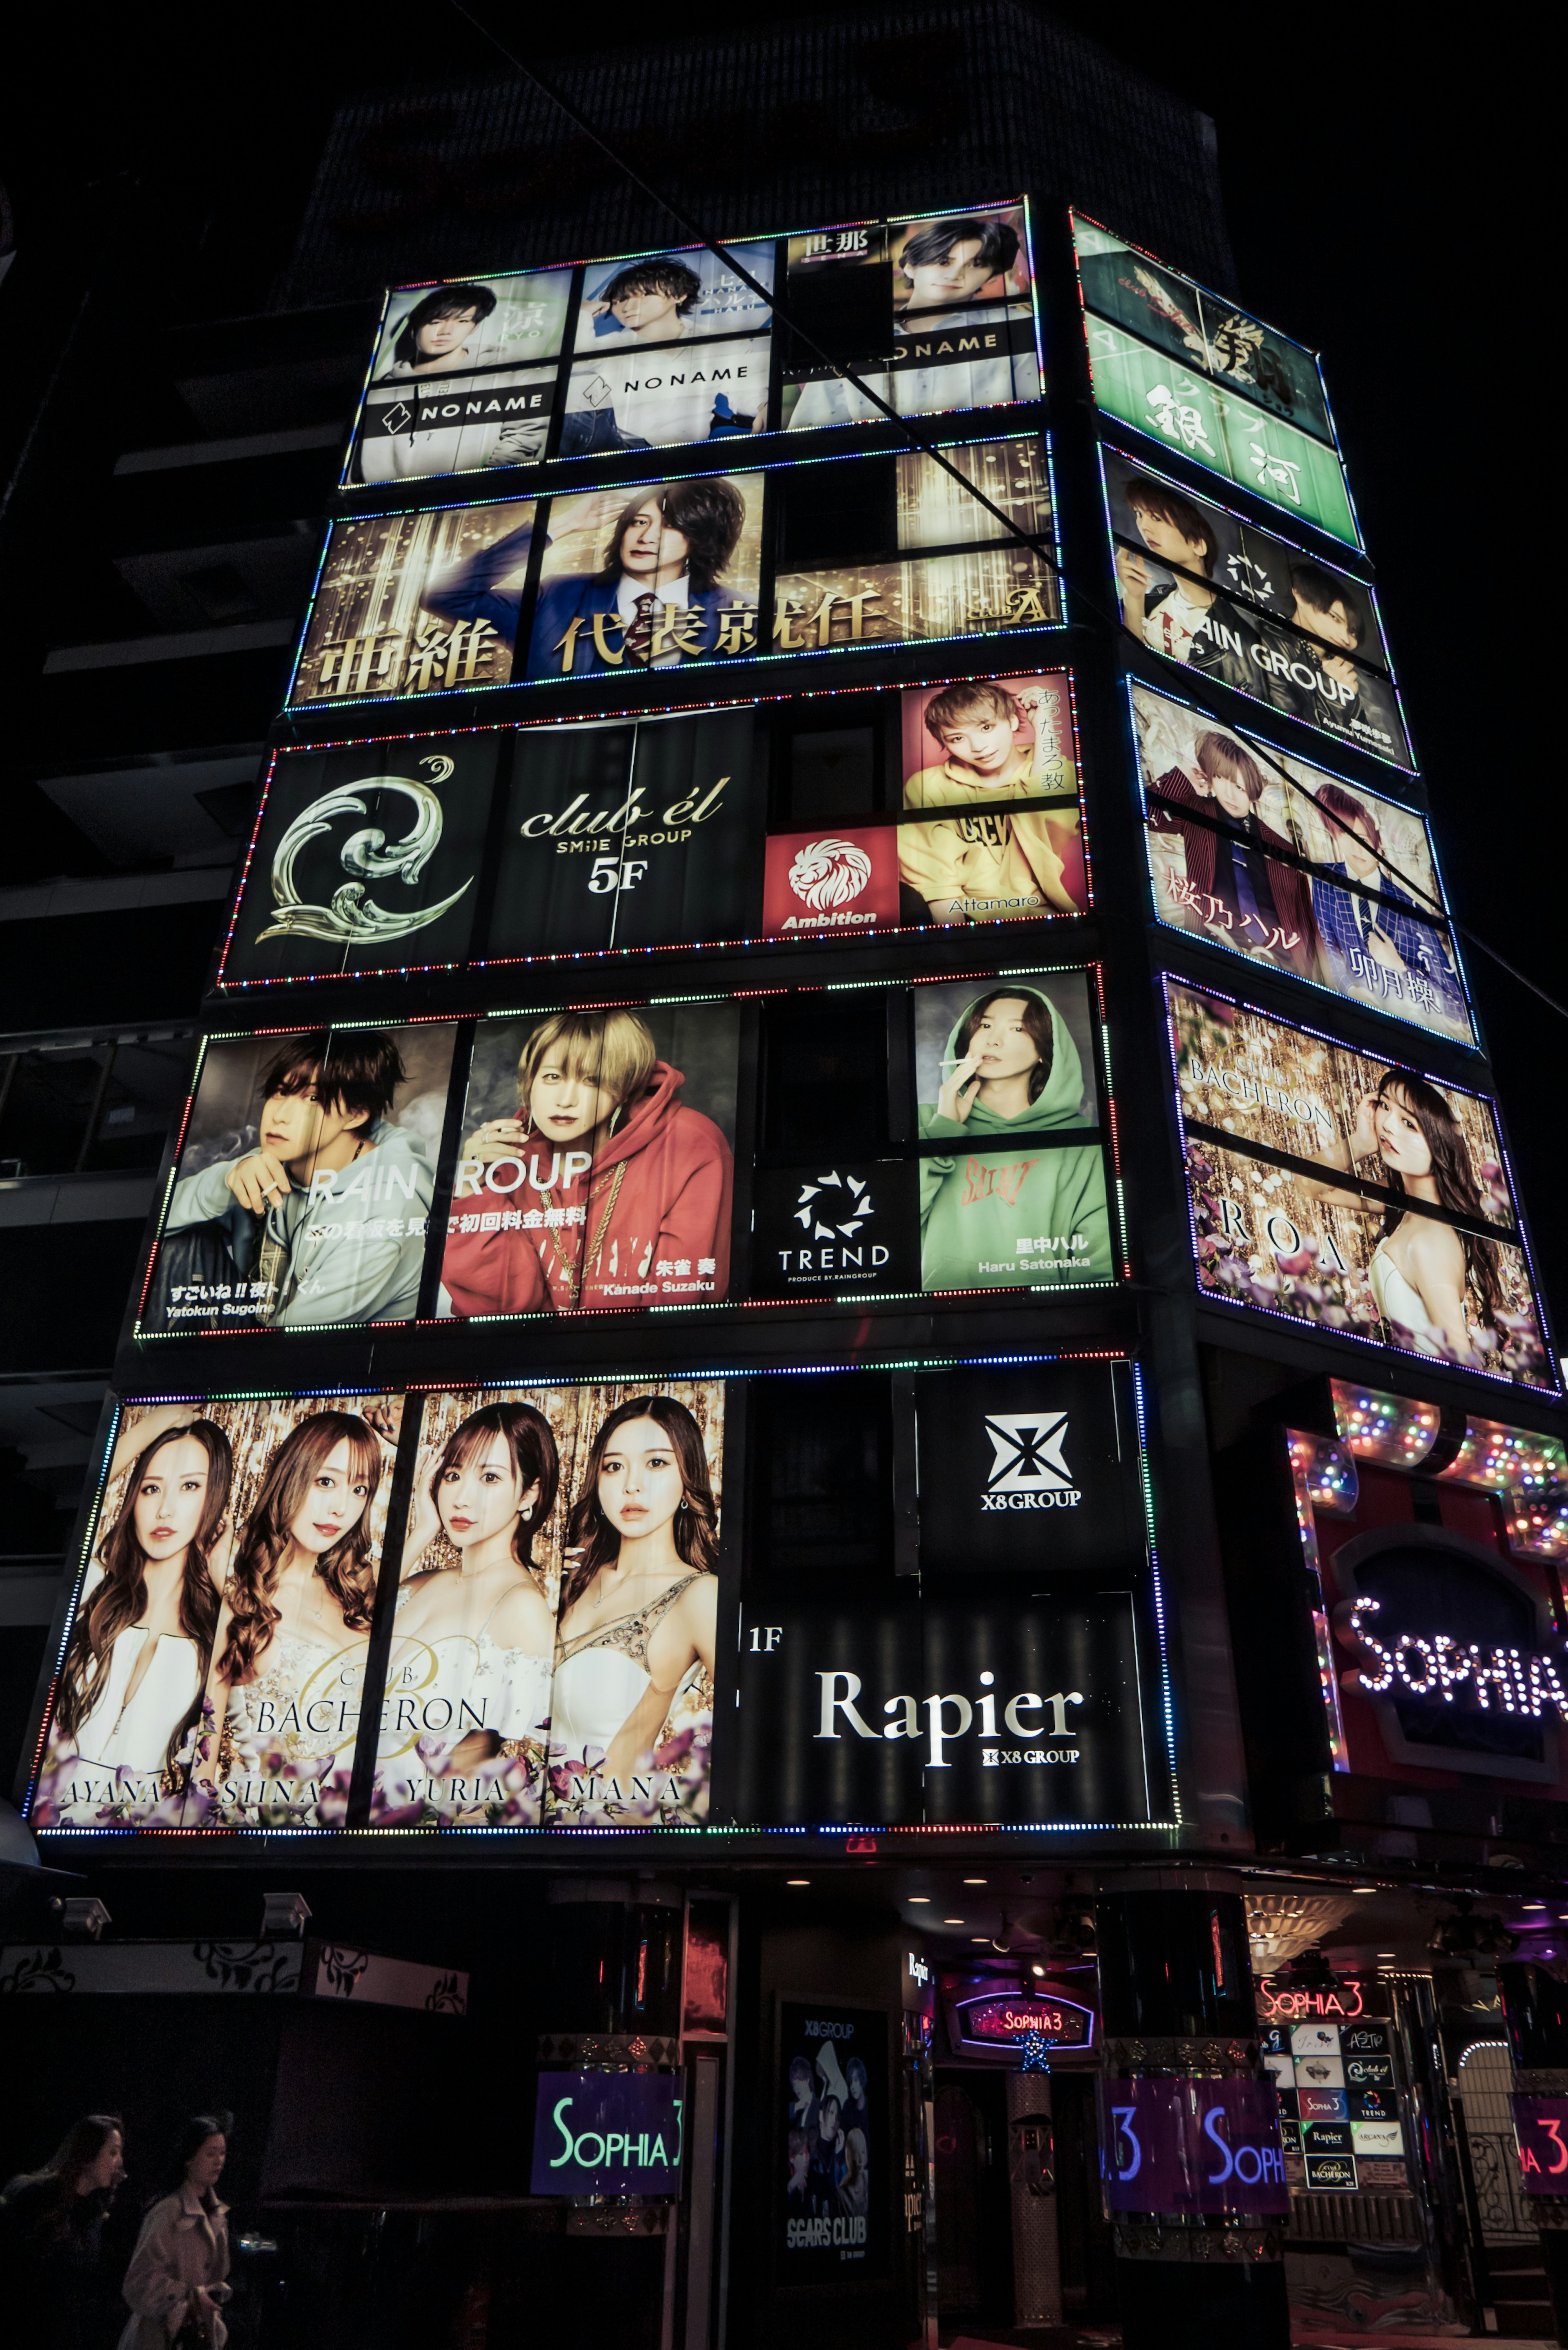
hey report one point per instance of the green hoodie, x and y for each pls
(978, 1205)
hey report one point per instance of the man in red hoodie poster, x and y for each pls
(602, 1190)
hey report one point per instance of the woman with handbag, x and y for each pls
(175, 2283)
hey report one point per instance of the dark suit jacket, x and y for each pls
(471, 593)
(1287, 890)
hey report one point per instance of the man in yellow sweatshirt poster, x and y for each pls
(996, 744)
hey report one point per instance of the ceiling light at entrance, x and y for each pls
(1279, 1925)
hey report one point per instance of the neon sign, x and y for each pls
(1516, 1682)
(1193, 2147)
(1539, 2124)
(995, 2019)
(1289, 2006)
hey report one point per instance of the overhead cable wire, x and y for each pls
(923, 447)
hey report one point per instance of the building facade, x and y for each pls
(834, 1422)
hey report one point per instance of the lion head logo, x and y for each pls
(829, 873)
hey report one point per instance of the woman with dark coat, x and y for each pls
(51, 2240)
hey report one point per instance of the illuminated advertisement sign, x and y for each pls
(1193, 2147)
(508, 1608)
(365, 859)
(631, 835)
(1210, 380)
(513, 1695)
(304, 1184)
(608, 2134)
(989, 2021)
(432, 602)
(1248, 610)
(598, 1153)
(667, 575)
(1341, 2105)
(994, 1708)
(1453, 1651)
(1256, 851)
(559, 1202)
(1025, 1465)
(255, 1529)
(620, 835)
(836, 2159)
(960, 572)
(1350, 1193)
(934, 312)
(1541, 2128)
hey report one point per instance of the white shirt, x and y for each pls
(1174, 623)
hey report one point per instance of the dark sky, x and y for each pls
(1386, 181)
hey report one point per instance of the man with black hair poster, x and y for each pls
(672, 578)
(322, 1220)
(1170, 604)
(954, 344)
(1326, 610)
(984, 861)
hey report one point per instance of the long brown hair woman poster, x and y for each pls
(213, 1672)
(557, 1612)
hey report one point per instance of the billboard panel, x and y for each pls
(997, 757)
(655, 575)
(666, 573)
(932, 314)
(213, 1670)
(364, 859)
(304, 1182)
(397, 610)
(624, 834)
(675, 346)
(1206, 330)
(456, 384)
(544, 1647)
(1350, 1193)
(631, 834)
(835, 2164)
(1004, 1081)
(982, 582)
(1263, 854)
(1251, 611)
(1192, 373)
(998, 1707)
(596, 1167)
(557, 1622)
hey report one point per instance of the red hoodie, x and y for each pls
(652, 1218)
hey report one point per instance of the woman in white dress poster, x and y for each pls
(131, 1685)
(638, 1619)
(1424, 1274)
(284, 1698)
(468, 1688)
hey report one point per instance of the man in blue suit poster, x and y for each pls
(658, 599)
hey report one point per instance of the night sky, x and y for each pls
(1385, 173)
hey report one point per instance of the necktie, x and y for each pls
(640, 629)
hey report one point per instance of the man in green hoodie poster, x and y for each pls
(997, 1208)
